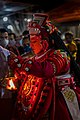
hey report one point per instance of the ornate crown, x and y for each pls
(40, 21)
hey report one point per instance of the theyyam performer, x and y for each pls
(47, 90)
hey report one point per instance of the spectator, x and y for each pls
(24, 34)
(12, 39)
(69, 38)
(26, 46)
(4, 37)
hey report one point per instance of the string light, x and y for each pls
(5, 19)
(10, 27)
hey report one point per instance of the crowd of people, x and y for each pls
(18, 45)
(47, 88)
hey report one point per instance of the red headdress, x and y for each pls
(40, 25)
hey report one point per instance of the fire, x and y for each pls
(11, 85)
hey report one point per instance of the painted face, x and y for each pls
(35, 43)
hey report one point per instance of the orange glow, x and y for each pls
(35, 43)
(10, 84)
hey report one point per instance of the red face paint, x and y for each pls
(35, 43)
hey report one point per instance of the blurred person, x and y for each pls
(4, 53)
(72, 47)
(24, 34)
(12, 43)
(12, 39)
(6, 96)
(4, 40)
(26, 46)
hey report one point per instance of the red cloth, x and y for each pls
(39, 92)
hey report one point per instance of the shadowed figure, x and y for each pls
(3, 63)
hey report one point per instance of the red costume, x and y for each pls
(47, 86)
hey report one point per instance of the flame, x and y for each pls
(11, 85)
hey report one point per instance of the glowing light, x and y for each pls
(10, 84)
(5, 19)
(10, 27)
(63, 37)
(25, 19)
(28, 20)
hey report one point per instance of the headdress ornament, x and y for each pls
(40, 24)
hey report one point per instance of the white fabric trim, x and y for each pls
(67, 75)
(72, 103)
